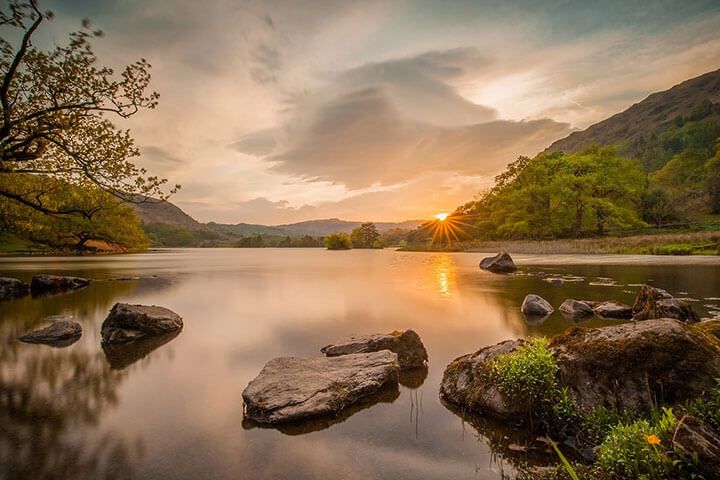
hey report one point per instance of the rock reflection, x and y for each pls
(386, 395)
(122, 355)
(510, 445)
(414, 377)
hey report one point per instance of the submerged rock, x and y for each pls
(653, 302)
(12, 288)
(408, 346)
(56, 283)
(694, 437)
(536, 306)
(132, 322)
(291, 388)
(628, 366)
(58, 334)
(576, 309)
(613, 309)
(500, 263)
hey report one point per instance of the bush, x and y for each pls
(338, 241)
(527, 374)
(635, 450)
(708, 408)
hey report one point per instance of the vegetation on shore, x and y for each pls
(629, 444)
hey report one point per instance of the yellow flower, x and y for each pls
(652, 439)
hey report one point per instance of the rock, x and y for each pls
(291, 388)
(576, 309)
(59, 334)
(536, 306)
(408, 346)
(628, 366)
(613, 309)
(12, 288)
(132, 322)
(632, 365)
(694, 437)
(500, 263)
(465, 385)
(55, 283)
(656, 303)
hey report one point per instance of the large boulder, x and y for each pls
(626, 366)
(60, 333)
(536, 306)
(56, 283)
(613, 309)
(127, 322)
(693, 437)
(292, 389)
(500, 263)
(576, 309)
(408, 346)
(12, 288)
(465, 383)
(653, 302)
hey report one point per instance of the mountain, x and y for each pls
(637, 129)
(166, 213)
(154, 211)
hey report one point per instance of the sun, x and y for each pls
(442, 216)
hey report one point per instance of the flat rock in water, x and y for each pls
(500, 263)
(291, 388)
(536, 306)
(627, 366)
(127, 322)
(56, 283)
(576, 309)
(653, 302)
(613, 309)
(12, 288)
(60, 334)
(408, 346)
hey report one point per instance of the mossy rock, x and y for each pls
(629, 366)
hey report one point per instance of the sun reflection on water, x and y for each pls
(444, 269)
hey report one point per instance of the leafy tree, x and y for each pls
(107, 220)
(55, 110)
(557, 194)
(365, 236)
(256, 241)
(657, 208)
(338, 241)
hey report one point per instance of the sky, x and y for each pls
(275, 112)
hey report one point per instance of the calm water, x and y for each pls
(176, 412)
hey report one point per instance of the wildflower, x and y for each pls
(652, 439)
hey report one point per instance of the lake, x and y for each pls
(175, 411)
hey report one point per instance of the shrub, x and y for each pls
(337, 241)
(634, 450)
(527, 374)
(708, 408)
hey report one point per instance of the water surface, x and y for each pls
(173, 409)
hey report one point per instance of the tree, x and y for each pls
(365, 236)
(54, 109)
(108, 221)
(338, 241)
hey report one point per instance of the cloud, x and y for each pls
(362, 139)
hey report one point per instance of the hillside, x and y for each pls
(637, 130)
(154, 211)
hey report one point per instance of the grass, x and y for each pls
(12, 244)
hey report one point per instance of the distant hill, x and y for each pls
(166, 213)
(637, 132)
(154, 211)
